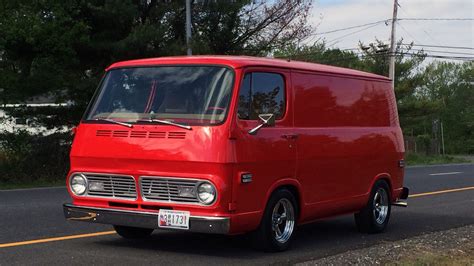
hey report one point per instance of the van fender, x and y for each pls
(385, 176)
(286, 182)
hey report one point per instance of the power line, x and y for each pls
(336, 40)
(440, 46)
(422, 28)
(352, 27)
(463, 58)
(420, 50)
(438, 19)
(388, 21)
(405, 30)
(362, 56)
(443, 52)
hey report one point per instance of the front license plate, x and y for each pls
(173, 219)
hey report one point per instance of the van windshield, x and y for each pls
(192, 95)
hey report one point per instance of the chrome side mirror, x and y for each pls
(268, 120)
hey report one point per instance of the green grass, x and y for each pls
(422, 159)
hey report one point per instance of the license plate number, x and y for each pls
(173, 219)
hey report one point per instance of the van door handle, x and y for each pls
(290, 136)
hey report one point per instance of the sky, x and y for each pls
(328, 15)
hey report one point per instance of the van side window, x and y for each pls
(244, 98)
(261, 93)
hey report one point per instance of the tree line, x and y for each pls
(61, 48)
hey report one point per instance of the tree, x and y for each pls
(37, 48)
(62, 47)
(450, 86)
(319, 53)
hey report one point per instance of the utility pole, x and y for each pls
(391, 71)
(442, 138)
(188, 26)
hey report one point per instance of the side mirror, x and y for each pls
(267, 120)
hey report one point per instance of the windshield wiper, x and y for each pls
(115, 122)
(166, 122)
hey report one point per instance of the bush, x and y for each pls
(424, 143)
(29, 158)
(422, 159)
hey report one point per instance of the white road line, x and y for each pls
(449, 173)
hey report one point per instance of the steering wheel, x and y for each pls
(211, 109)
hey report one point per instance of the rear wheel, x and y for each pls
(278, 223)
(132, 232)
(374, 217)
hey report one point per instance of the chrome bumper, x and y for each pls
(201, 224)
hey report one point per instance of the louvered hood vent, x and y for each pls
(140, 134)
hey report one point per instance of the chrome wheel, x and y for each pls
(380, 205)
(283, 220)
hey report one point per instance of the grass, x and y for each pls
(20, 183)
(447, 258)
(411, 159)
(422, 159)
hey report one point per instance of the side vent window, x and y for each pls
(261, 93)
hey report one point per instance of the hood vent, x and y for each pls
(140, 134)
(176, 135)
(120, 133)
(156, 135)
(103, 133)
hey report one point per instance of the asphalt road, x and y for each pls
(36, 214)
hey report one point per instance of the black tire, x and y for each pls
(369, 219)
(265, 237)
(132, 232)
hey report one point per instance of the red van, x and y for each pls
(232, 144)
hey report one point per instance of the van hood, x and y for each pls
(147, 148)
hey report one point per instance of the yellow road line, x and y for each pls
(61, 238)
(440, 192)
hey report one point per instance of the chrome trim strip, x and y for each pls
(201, 224)
(200, 217)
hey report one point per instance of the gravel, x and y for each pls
(450, 247)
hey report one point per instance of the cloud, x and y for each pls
(330, 15)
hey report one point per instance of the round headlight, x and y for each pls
(206, 193)
(79, 184)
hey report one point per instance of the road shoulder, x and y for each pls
(450, 247)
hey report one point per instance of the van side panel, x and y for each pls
(348, 134)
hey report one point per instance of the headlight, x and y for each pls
(79, 184)
(206, 193)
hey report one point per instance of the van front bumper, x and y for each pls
(200, 224)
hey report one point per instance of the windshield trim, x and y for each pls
(97, 92)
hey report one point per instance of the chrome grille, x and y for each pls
(168, 189)
(111, 186)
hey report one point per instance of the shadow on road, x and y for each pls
(312, 241)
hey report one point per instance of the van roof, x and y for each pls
(245, 61)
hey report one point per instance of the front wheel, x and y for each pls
(132, 232)
(374, 217)
(278, 223)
